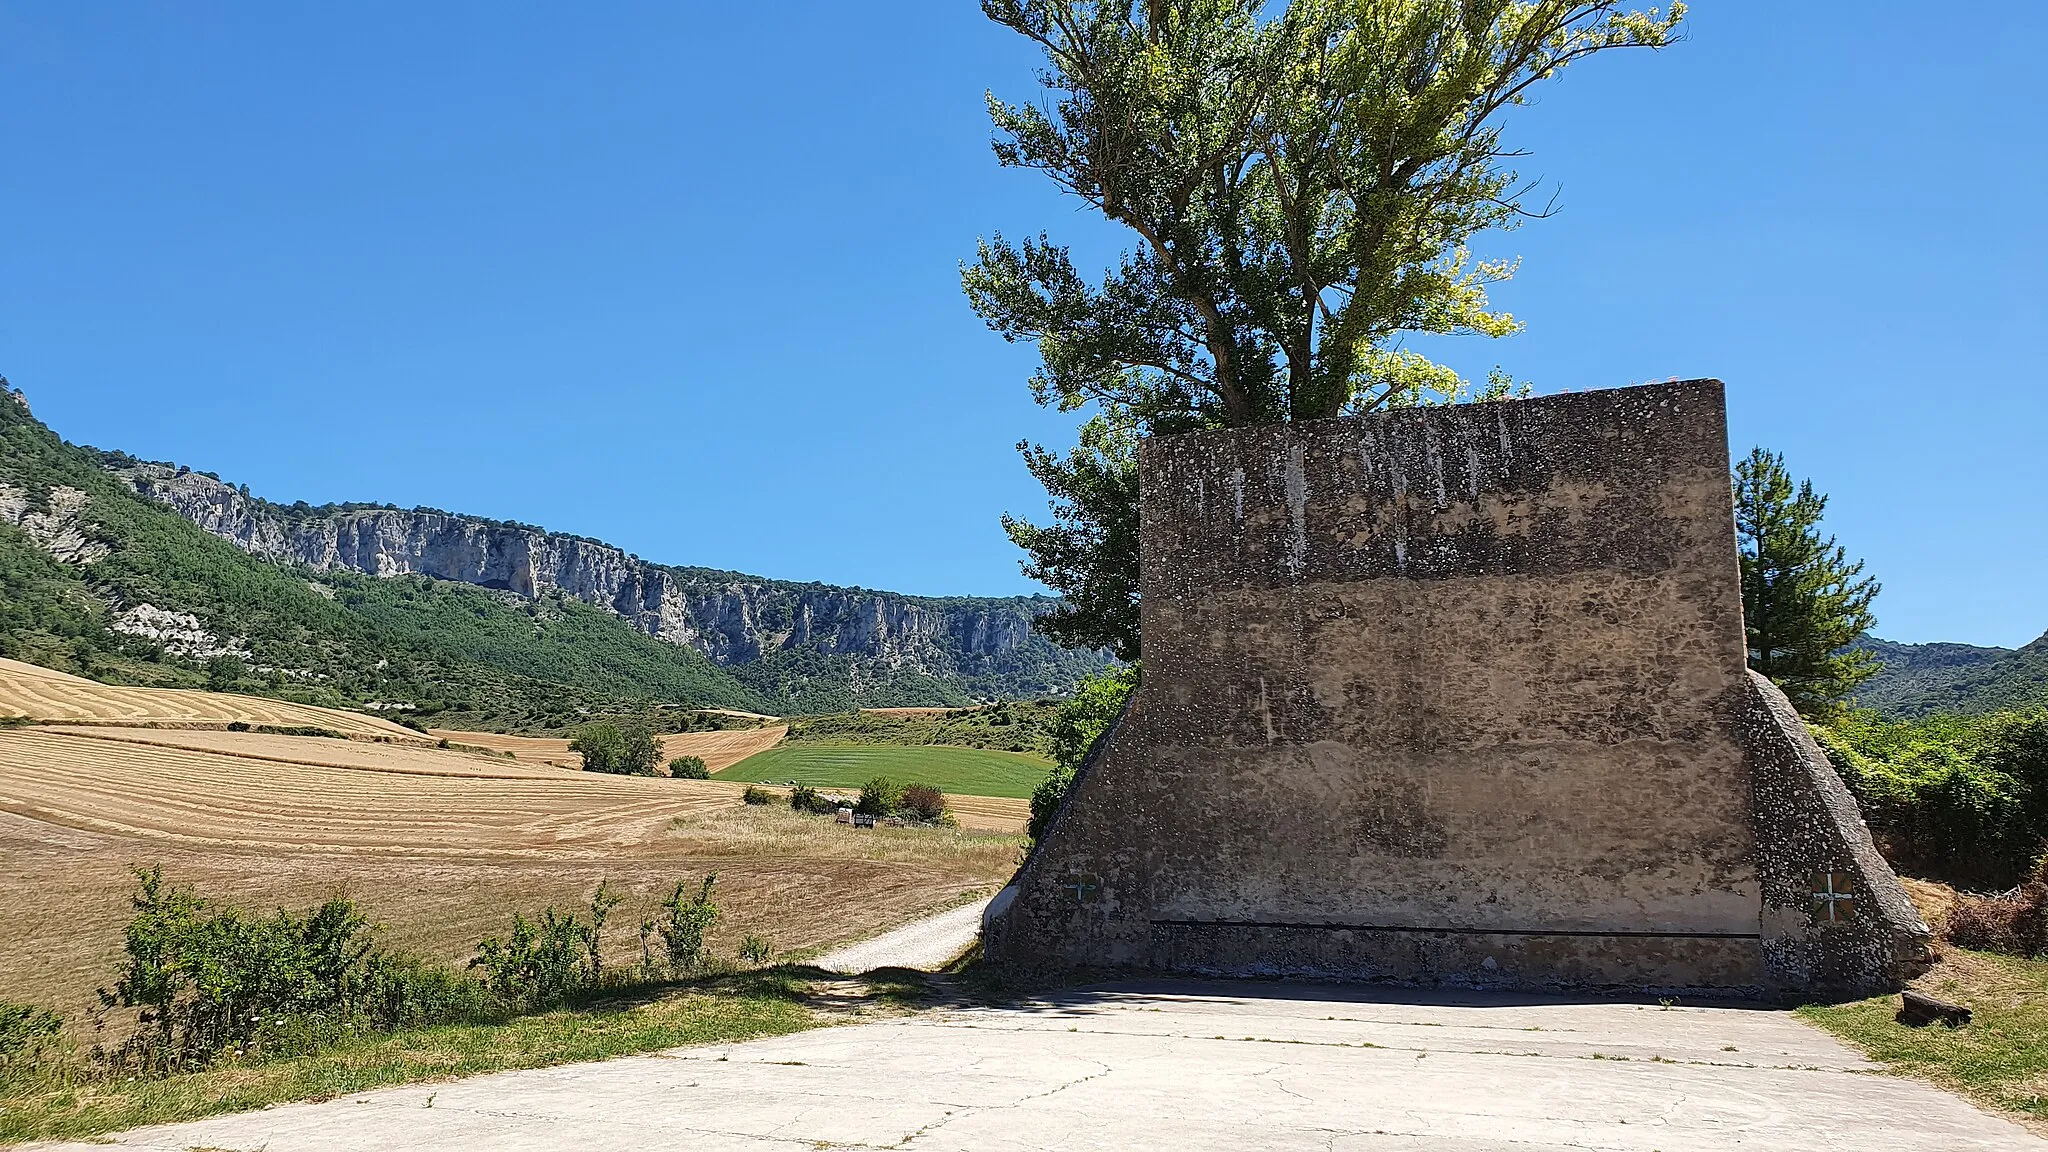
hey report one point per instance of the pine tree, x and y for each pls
(1803, 603)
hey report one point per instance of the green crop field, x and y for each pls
(958, 771)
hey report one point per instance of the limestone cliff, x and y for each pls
(731, 618)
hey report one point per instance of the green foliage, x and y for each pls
(879, 796)
(756, 949)
(1302, 184)
(233, 1011)
(463, 655)
(689, 768)
(1094, 706)
(544, 961)
(959, 771)
(1960, 798)
(1081, 722)
(622, 749)
(1922, 679)
(1009, 726)
(1302, 181)
(684, 919)
(25, 1030)
(804, 798)
(223, 673)
(336, 639)
(1804, 605)
(554, 651)
(922, 802)
(1089, 553)
(757, 796)
(72, 1100)
(211, 982)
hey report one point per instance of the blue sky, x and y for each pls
(685, 277)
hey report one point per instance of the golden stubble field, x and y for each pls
(46, 694)
(719, 749)
(440, 845)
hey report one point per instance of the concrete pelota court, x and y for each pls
(1183, 1066)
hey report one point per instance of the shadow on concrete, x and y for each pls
(1081, 997)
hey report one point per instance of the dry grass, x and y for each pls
(44, 694)
(1999, 1060)
(733, 1008)
(415, 759)
(718, 749)
(440, 845)
(994, 813)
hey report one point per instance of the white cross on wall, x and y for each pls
(1826, 894)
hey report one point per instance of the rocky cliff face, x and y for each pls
(732, 619)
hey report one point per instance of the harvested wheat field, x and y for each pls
(994, 813)
(414, 759)
(441, 846)
(718, 749)
(45, 694)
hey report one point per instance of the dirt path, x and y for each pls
(928, 944)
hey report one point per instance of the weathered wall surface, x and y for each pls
(1452, 694)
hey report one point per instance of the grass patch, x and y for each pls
(2000, 1059)
(958, 771)
(65, 1103)
(1012, 726)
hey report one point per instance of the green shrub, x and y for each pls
(543, 962)
(213, 981)
(26, 1030)
(238, 725)
(680, 928)
(880, 796)
(1964, 799)
(298, 730)
(757, 795)
(803, 798)
(923, 802)
(689, 768)
(224, 672)
(1080, 723)
(1047, 798)
(756, 950)
(624, 749)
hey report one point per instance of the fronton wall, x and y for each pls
(1451, 695)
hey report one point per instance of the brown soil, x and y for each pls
(441, 846)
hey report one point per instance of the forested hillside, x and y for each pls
(1923, 679)
(98, 579)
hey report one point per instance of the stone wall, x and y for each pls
(1455, 695)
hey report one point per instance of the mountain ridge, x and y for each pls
(109, 551)
(1922, 679)
(730, 617)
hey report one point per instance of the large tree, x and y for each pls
(1804, 604)
(1302, 185)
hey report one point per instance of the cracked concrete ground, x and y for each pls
(1183, 1066)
